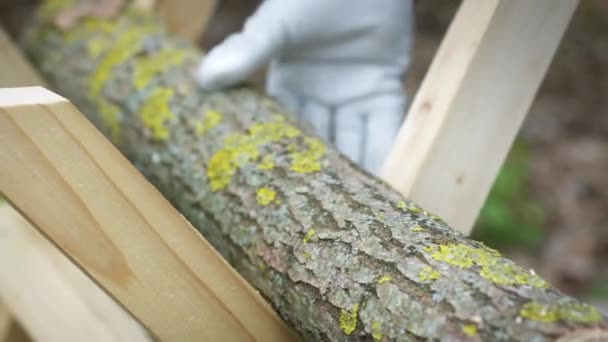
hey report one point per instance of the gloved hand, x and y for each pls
(336, 63)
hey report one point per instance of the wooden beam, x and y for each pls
(15, 71)
(472, 103)
(74, 186)
(58, 292)
(17, 334)
(10, 329)
(46, 291)
(186, 18)
(6, 321)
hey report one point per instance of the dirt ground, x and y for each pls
(566, 139)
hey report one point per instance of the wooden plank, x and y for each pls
(57, 290)
(15, 71)
(472, 103)
(17, 334)
(10, 329)
(73, 185)
(55, 275)
(45, 291)
(186, 18)
(6, 321)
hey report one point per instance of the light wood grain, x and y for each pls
(186, 18)
(13, 332)
(15, 71)
(6, 320)
(472, 103)
(45, 291)
(17, 334)
(58, 293)
(85, 196)
(10, 329)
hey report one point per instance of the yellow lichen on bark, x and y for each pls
(385, 279)
(116, 46)
(127, 45)
(428, 274)
(492, 265)
(566, 311)
(148, 67)
(211, 120)
(377, 331)
(469, 330)
(309, 235)
(156, 112)
(265, 196)
(348, 320)
(309, 160)
(243, 148)
(267, 163)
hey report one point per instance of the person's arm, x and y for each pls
(336, 64)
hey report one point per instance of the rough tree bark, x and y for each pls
(338, 253)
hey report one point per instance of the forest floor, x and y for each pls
(549, 207)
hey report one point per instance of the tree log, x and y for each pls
(338, 253)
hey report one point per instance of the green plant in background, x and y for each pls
(599, 289)
(597, 293)
(511, 217)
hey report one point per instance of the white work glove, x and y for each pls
(336, 63)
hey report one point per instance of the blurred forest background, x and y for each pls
(548, 209)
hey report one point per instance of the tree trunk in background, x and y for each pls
(339, 254)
